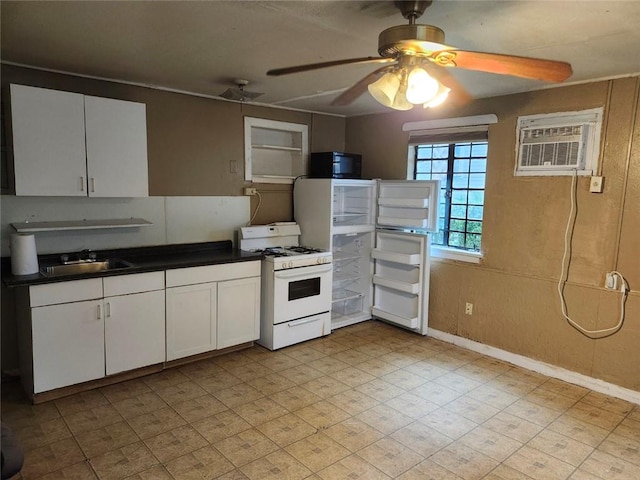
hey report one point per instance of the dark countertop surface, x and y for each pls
(143, 259)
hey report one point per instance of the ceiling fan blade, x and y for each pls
(334, 63)
(357, 89)
(525, 67)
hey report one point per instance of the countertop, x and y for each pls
(143, 259)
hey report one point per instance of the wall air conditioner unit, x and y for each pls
(559, 143)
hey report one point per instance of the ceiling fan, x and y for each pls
(414, 55)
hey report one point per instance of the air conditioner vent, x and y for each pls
(558, 144)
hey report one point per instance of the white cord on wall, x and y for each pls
(568, 233)
(257, 208)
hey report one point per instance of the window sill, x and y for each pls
(455, 254)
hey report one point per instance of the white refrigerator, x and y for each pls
(377, 231)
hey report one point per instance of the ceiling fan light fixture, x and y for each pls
(421, 87)
(384, 89)
(439, 98)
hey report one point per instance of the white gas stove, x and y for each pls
(269, 240)
(296, 285)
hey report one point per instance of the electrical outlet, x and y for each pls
(468, 309)
(596, 184)
(250, 191)
(611, 281)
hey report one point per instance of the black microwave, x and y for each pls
(335, 165)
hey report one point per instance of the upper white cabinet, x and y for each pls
(68, 144)
(274, 151)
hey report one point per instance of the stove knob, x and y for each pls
(291, 264)
(284, 265)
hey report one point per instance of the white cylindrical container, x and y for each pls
(24, 258)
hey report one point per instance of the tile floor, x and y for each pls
(368, 402)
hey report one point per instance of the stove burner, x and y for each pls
(290, 251)
(304, 250)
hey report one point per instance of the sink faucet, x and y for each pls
(85, 255)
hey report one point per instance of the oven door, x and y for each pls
(300, 292)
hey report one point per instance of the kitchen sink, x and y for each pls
(79, 267)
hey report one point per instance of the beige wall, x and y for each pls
(513, 289)
(196, 144)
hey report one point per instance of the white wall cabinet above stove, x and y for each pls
(68, 144)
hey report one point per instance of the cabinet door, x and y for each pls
(48, 142)
(68, 344)
(116, 148)
(238, 311)
(191, 320)
(134, 331)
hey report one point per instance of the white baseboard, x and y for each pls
(537, 366)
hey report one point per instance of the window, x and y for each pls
(454, 151)
(461, 167)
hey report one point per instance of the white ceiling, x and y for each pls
(202, 46)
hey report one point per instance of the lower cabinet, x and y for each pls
(68, 344)
(191, 320)
(212, 307)
(238, 311)
(76, 331)
(133, 331)
(70, 332)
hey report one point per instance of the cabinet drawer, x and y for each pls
(136, 283)
(64, 292)
(297, 331)
(212, 273)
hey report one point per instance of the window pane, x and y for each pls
(440, 176)
(439, 166)
(461, 166)
(424, 152)
(476, 180)
(476, 197)
(473, 242)
(442, 196)
(423, 167)
(442, 209)
(437, 238)
(456, 240)
(479, 165)
(474, 227)
(479, 149)
(423, 176)
(458, 211)
(460, 180)
(475, 213)
(459, 196)
(440, 151)
(463, 150)
(457, 225)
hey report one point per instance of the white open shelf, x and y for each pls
(421, 223)
(31, 227)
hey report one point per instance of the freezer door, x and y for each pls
(408, 204)
(401, 279)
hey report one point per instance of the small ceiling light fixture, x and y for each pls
(238, 92)
(407, 85)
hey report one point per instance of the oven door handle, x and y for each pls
(303, 271)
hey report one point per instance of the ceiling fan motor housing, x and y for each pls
(410, 39)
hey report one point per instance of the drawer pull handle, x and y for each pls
(302, 322)
(99, 312)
